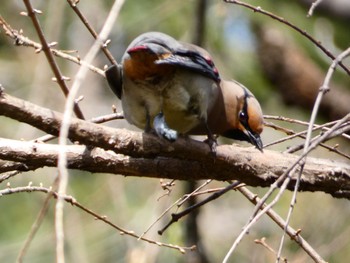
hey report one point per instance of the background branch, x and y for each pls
(74, 202)
(32, 13)
(21, 40)
(291, 25)
(296, 76)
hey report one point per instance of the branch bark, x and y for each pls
(145, 155)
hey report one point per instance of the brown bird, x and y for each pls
(235, 114)
(174, 87)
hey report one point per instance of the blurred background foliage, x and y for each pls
(235, 37)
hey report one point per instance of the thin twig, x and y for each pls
(50, 58)
(187, 196)
(8, 175)
(108, 117)
(177, 216)
(292, 134)
(74, 5)
(322, 91)
(178, 203)
(71, 200)
(263, 243)
(294, 234)
(37, 223)
(258, 215)
(21, 40)
(62, 161)
(340, 132)
(258, 9)
(300, 122)
(313, 7)
(285, 178)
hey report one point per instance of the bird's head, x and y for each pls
(249, 120)
(154, 45)
(139, 63)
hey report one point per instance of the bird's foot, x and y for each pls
(212, 142)
(162, 128)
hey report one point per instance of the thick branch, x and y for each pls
(319, 174)
(147, 155)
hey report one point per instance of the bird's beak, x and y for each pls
(255, 140)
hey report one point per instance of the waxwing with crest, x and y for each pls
(174, 88)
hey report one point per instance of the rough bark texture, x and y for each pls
(139, 154)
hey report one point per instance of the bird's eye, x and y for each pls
(242, 116)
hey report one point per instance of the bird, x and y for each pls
(173, 88)
(236, 114)
(165, 85)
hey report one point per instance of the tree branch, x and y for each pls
(316, 42)
(140, 154)
(21, 40)
(71, 200)
(296, 76)
(32, 13)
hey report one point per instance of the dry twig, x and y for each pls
(63, 135)
(45, 47)
(313, 7)
(323, 90)
(282, 20)
(71, 200)
(21, 40)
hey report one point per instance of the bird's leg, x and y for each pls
(162, 128)
(211, 139)
(148, 128)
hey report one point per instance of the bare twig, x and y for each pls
(71, 200)
(32, 13)
(324, 127)
(74, 5)
(294, 234)
(21, 40)
(292, 134)
(38, 221)
(62, 161)
(340, 132)
(108, 117)
(193, 193)
(285, 180)
(313, 7)
(284, 21)
(263, 243)
(178, 203)
(177, 216)
(323, 90)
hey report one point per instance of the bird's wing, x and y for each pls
(115, 79)
(193, 58)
